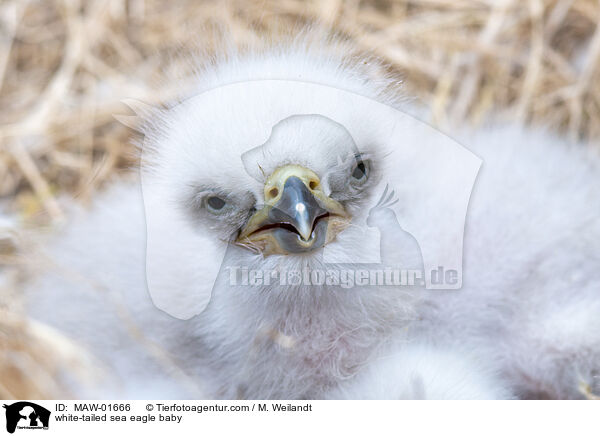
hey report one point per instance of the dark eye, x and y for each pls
(360, 171)
(215, 203)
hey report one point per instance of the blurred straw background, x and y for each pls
(65, 66)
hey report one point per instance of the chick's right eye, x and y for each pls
(215, 203)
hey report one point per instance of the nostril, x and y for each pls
(273, 192)
(313, 184)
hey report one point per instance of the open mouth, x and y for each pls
(297, 216)
(289, 227)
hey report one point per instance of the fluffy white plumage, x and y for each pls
(526, 322)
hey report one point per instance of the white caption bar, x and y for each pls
(299, 417)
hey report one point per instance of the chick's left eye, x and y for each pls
(215, 203)
(360, 171)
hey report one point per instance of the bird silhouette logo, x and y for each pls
(383, 217)
(26, 415)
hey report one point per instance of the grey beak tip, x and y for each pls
(297, 206)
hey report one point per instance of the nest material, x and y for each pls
(37, 360)
(65, 66)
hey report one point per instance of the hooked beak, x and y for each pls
(297, 215)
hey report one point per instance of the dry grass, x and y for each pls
(65, 65)
(33, 355)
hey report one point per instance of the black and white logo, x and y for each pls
(26, 415)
